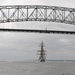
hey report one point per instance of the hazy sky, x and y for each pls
(24, 46)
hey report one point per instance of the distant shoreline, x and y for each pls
(62, 60)
(37, 61)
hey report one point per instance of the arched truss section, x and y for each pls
(20, 13)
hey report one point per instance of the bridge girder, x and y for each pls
(18, 13)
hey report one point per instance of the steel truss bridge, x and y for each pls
(19, 13)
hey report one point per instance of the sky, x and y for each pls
(16, 46)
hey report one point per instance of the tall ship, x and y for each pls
(42, 53)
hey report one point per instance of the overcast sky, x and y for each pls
(24, 46)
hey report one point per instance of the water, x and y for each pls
(36, 68)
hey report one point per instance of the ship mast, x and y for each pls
(42, 54)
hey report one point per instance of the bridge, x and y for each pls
(20, 13)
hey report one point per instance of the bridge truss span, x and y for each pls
(18, 13)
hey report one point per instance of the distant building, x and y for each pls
(41, 53)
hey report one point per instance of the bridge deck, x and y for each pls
(38, 31)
